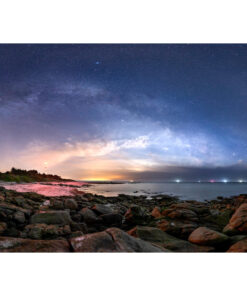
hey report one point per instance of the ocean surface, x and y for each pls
(192, 191)
(185, 191)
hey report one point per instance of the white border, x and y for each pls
(129, 21)
(123, 274)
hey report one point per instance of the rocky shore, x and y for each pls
(30, 222)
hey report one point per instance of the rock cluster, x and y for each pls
(30, 222)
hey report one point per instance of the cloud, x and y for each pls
(80, 127)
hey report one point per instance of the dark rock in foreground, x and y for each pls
(11, 244)
(240, 246)
(238, 222)
(165, 240)
(51, 217)
(30, 222)
(207, 237)
(112, 240)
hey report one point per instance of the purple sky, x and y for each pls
(142, 112)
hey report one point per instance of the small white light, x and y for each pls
(240, 181)
(177, 181)
(224, 181)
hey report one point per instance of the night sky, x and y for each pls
(125, 112)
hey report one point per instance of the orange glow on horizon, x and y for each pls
(96, 179)
(110, 178)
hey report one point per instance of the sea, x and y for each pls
(185, 191)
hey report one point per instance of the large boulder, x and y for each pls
(238, 221)
(89, 216)
(70, 204)
(181, 229)
(51, 217)
(207, 237)
(11, 244)
(157, 236)
(198, 208)
(102, 209)
(180, 213)
(240, 246)
(112, 240)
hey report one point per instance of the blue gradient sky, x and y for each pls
(142, 112)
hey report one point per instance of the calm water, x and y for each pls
(195, 191)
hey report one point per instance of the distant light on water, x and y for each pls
(240, 181)
(177, 181)
(224, 180)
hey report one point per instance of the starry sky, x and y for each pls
(144, 112)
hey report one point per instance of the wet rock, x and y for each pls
(240, 246)
(112, 240)
(156, 213)
(207, 237)
(102, 209)
(95, 242)
(89, 216)
(70, 204)
(165, 240)
(181, 229)
(11, 244)
(238, 222)
(51, 217)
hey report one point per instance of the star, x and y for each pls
(97, 63)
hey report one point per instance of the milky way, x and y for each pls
(142, 112)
